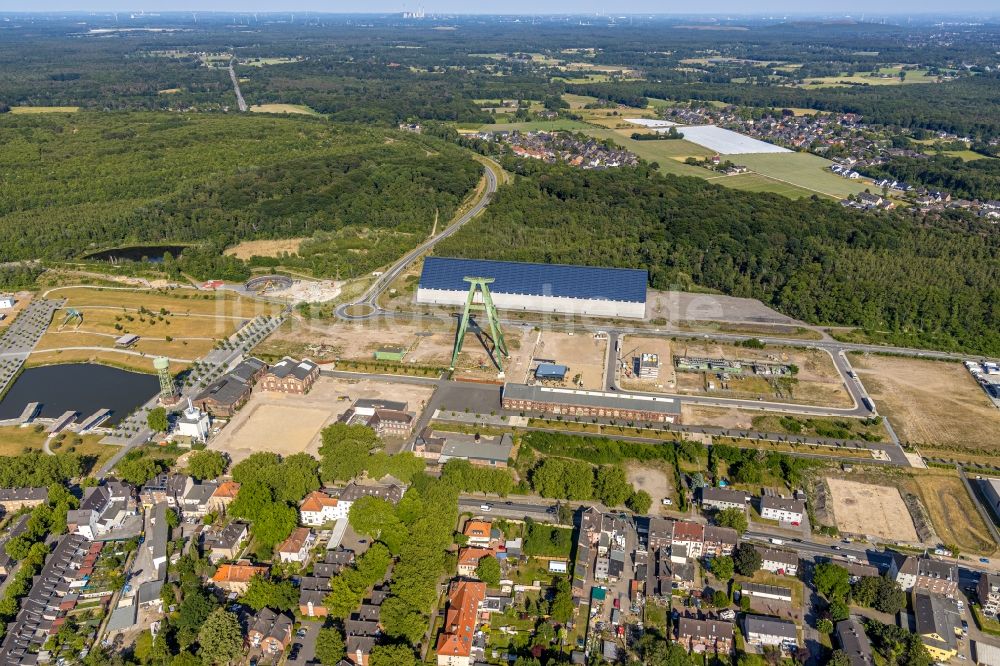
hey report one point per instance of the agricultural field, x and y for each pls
(728, 142)
(755, 182)
(284, 108)
(533, 125)
(802, 170)
(889, 76)
(935, 405)
(25, 110)
(182, 324)
(862, 509)
(817, 381)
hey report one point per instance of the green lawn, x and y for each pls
(802, 170)
(755, 182)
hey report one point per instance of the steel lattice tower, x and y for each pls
(162, 365)
(481, 285)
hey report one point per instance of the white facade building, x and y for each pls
(581, 290)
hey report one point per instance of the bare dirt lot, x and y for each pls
(817, 382)
(264, 248)
(945, 501)
(716, 416)
(685, 306)
(287, 424)
(931, 403)
(656, 481)
(581, 352)
(634, 346)
(861, 508)
(428, 343)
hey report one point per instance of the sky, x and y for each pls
(824, 7)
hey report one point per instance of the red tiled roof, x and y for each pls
(460, 620)
(316, 501)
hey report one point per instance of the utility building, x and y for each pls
(582, 290)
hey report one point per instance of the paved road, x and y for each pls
(236, 87)
(134, 431)
(19, 339)
(370, 297)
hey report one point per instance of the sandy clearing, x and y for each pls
(861, 508)
(931, 403)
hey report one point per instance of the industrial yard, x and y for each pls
(780, 374)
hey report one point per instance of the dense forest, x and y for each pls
(974, 179)
(914, 282)
(86, 181)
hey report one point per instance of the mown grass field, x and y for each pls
(801, 170)
(193, 321)
(17, 110)
(284, 108)
(15, 440)
(755, 182)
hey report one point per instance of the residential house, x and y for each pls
(782, 509)
(313, 589)
(478, 533)
(270, 631)
(223, 496)
(857, 570)
(937, 621)
(318, 509)
(362, 628)
(924, 574)
(854, 643)
(53, 594)
(724, 498)
(225, 544)
(663, 576)
(989, 593)
(103, 509)
(197, 499)
(236, 577)
(14, 499)
(455, 643)
(19, 527)
(689, 534)
(468, 560)
(296, 548)
(388, 488)
(761, 631)
(779, 561)
(705, 636)
(290, 376)
(719, 541)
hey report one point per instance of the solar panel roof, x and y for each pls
(591, 282)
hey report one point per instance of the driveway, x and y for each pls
(308, 650)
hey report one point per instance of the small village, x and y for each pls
(574, 149)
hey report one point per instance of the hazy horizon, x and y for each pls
(511, 7)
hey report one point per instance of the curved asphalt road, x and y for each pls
(370, 297)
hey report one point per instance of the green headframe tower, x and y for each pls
(484, 303)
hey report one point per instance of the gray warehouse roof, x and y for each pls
(592, 398)
(588, 282)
